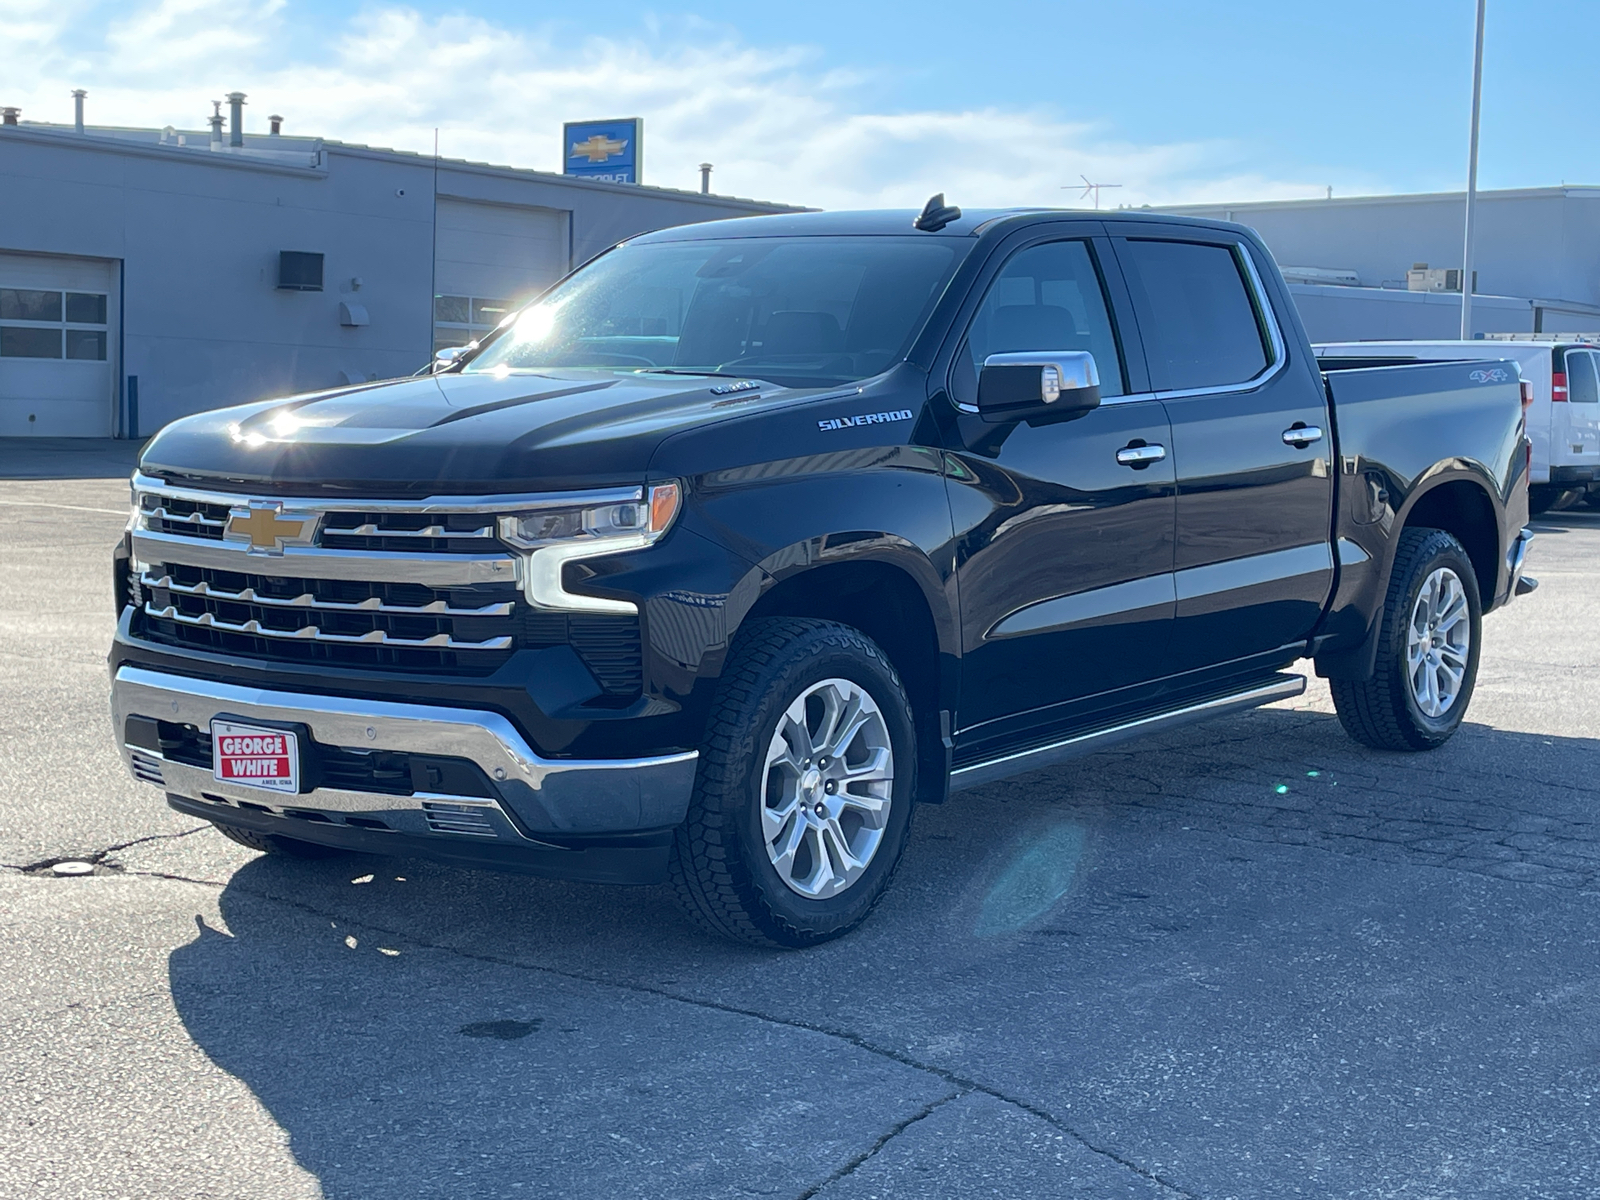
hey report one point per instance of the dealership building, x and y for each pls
(1389, 267)
(150, 273)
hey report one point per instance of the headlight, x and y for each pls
(555, 536)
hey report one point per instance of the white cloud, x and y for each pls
(777, 123)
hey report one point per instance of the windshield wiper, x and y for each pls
(687, 371)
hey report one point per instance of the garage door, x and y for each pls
(487, 259)
(58, 322)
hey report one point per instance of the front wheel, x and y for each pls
(1427, 650)
(803, 799)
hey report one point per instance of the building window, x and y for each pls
(458, 320)
(299, 271)
(43, 324)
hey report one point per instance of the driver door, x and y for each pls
(1064, 550)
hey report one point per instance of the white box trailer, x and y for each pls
(1564, 418)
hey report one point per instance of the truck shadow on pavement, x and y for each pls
(1224, 959)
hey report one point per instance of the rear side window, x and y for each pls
(1583, 386)
(1196, 314)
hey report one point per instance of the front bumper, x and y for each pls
(530, 813)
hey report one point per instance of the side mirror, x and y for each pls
(448, 355)
(1012, 387)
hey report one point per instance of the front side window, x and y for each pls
(802, 311)
(1046, 298)
(1582, 385)
(1197, 315)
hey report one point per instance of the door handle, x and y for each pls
(1140, 456)
(1301, 436)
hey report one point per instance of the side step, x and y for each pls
(1282, 687)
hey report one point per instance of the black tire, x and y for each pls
(721, 870)
(272, 843)
(1382, 711)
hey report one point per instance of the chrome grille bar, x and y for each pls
(431, 531)
(312, 562)
(376, 637)
(159, 513)
(439, 608)
(146, 485)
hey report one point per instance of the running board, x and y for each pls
(1282, 687)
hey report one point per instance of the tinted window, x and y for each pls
(87, 343)
(1582, 385)
(86, 308)
(802, 311)
(1046, 298)
(1195, 314)
(23, 341)
(21, 304)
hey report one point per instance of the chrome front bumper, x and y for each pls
(536, 795)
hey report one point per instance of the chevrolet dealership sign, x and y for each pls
(605, 150)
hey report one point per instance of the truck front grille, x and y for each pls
(392, 587)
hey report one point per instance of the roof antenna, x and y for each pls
(936, 214)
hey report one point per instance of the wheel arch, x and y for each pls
(1461, 506)
(884, 599)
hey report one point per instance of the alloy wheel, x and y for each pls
(1438, 642)
(827, 788)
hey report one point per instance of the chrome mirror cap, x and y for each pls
(1016, 385)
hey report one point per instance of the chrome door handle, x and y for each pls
(1302, 436)
(1140, 456)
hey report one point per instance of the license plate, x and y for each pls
(255, 757)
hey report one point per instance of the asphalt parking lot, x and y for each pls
(1249, 959)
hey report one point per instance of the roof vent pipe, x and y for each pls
(277, 124)
(236, 127)
(216, 124)
(8, 116)
(77, 108)
(705, 179)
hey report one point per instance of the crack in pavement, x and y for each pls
(99, 857)
(962, 1084)
(894, 1131)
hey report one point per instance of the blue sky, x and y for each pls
(833, 102)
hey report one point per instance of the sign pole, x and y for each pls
(1472, 181)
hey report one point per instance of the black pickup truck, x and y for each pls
(715, 560)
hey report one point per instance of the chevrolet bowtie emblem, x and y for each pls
(598, 148)
(266, 530)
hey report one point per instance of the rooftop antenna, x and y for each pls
(1090, 188)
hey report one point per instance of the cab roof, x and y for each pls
(890, 222)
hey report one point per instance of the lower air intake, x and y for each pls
(467, 819)
(148, 770)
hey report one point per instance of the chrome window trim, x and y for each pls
(523, 502)
(1258, 299)
(1269, 316)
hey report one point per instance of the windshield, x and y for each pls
(803, 312)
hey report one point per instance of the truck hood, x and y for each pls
(456, 434)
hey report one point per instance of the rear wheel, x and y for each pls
(803, 799)
(1427, 650)
(272, 843)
